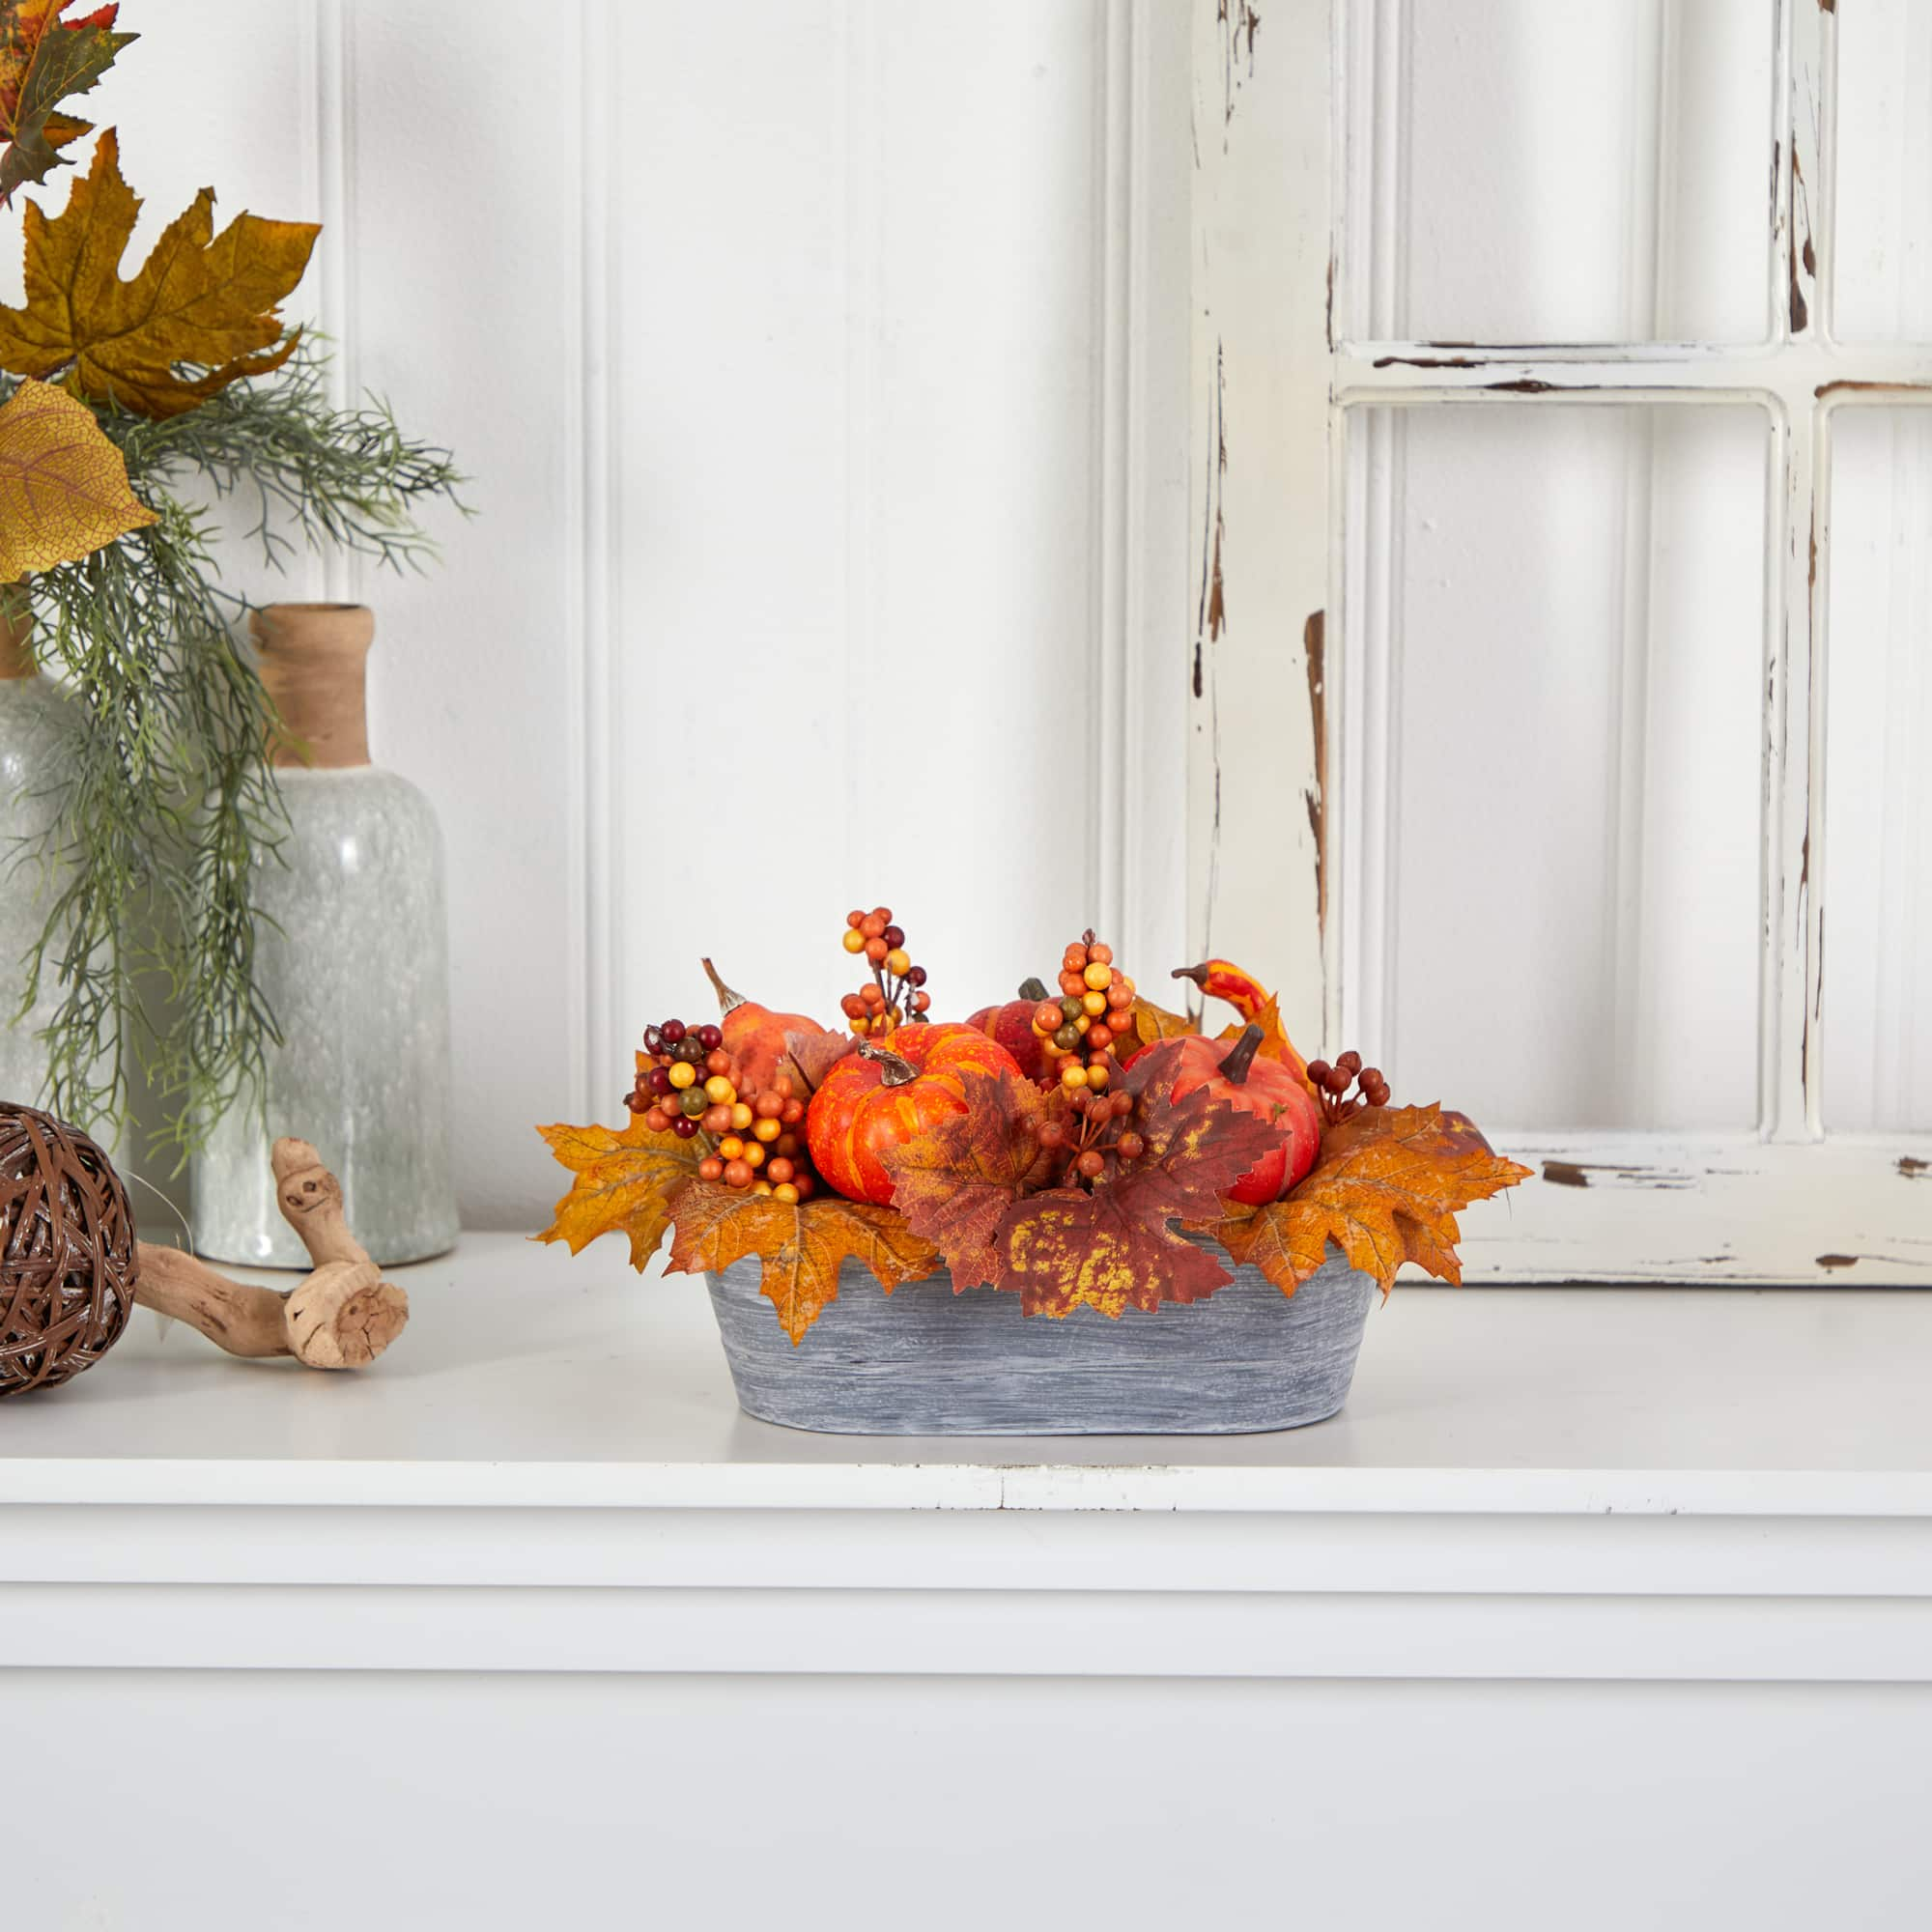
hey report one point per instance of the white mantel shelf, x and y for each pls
(548, 1471)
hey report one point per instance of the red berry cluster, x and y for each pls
(1078, 1030)
(1332, 1083)
(690, 1088)
(896, 991)
(1100, 1131)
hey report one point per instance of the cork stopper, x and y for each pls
(312, 660)
(16, 628)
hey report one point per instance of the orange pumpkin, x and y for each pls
(882, 1095)
(1269, 1089)
(755, 1036)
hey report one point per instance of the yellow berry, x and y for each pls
(785, 1192)
(740, 1115)
(768, 1131)
(753, 1154)
(1073, 1075)
(861, 1027)
(899, 961)
(762, 1187)
(1096, 1074)
(1098, 977)
(718, 1091)
(855, 940)
(731, 1148)
(1094, 1005)
(682, 1073)
(1085, 1021)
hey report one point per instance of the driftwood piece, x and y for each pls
(342, 1317)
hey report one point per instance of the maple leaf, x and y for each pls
(43, 60)
(200, 299)
(626, 1183)
(801, 1245)
(63, 486)
(1152, 1023)
(1386, 1191)
(1118, 1248)
(954, 1183)
(813, 1054)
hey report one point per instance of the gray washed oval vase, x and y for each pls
(925, 1361)
(352, 954)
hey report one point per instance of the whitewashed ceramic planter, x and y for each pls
(930, 1362)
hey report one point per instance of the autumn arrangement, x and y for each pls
(1076, 1147)
(130, 405)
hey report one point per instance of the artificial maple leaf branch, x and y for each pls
(44, 58)
(1386, 1191)
(802, 1248)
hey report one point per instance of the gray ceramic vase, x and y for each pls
(925, 1361)
(353, 954)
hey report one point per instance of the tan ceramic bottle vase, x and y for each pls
(352, 954)
(36, 717)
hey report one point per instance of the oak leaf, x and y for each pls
(801, 1245)
(1117, 1248)
(627, 1182)
(1386, 1191)
(954, 1183)
(199, 315)
(63, 484)
(44, 58)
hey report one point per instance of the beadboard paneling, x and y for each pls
(804, 465)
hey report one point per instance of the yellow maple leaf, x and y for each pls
(625, 1182)
(205, 301)
(802, 1247)
(63, 486)
(1384, 1191)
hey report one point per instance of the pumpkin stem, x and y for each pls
(729, 1002)
(1198, 974)
(1033, 988)
(900, 1070)
(1241, 1058)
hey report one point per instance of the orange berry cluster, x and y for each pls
(775, 1142)
(1078, 1030)
(897, 992)
(690, 1085)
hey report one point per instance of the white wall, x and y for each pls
(774, 343)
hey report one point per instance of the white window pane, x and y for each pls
(1878, 778)
(1555, 641)
(1883, 259)
(1555, 171)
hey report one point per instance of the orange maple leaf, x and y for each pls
(626, 1183)
(202, 302)
(1386, 1191)
(803, 1246)
(43, 60)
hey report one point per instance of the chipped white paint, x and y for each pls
(1775, 1200)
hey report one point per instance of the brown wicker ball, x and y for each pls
(67, 1252)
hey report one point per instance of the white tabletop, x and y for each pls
(527, 1377)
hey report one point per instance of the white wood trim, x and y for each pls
(596, 706)
(1623, 1496)
(1259, 568)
